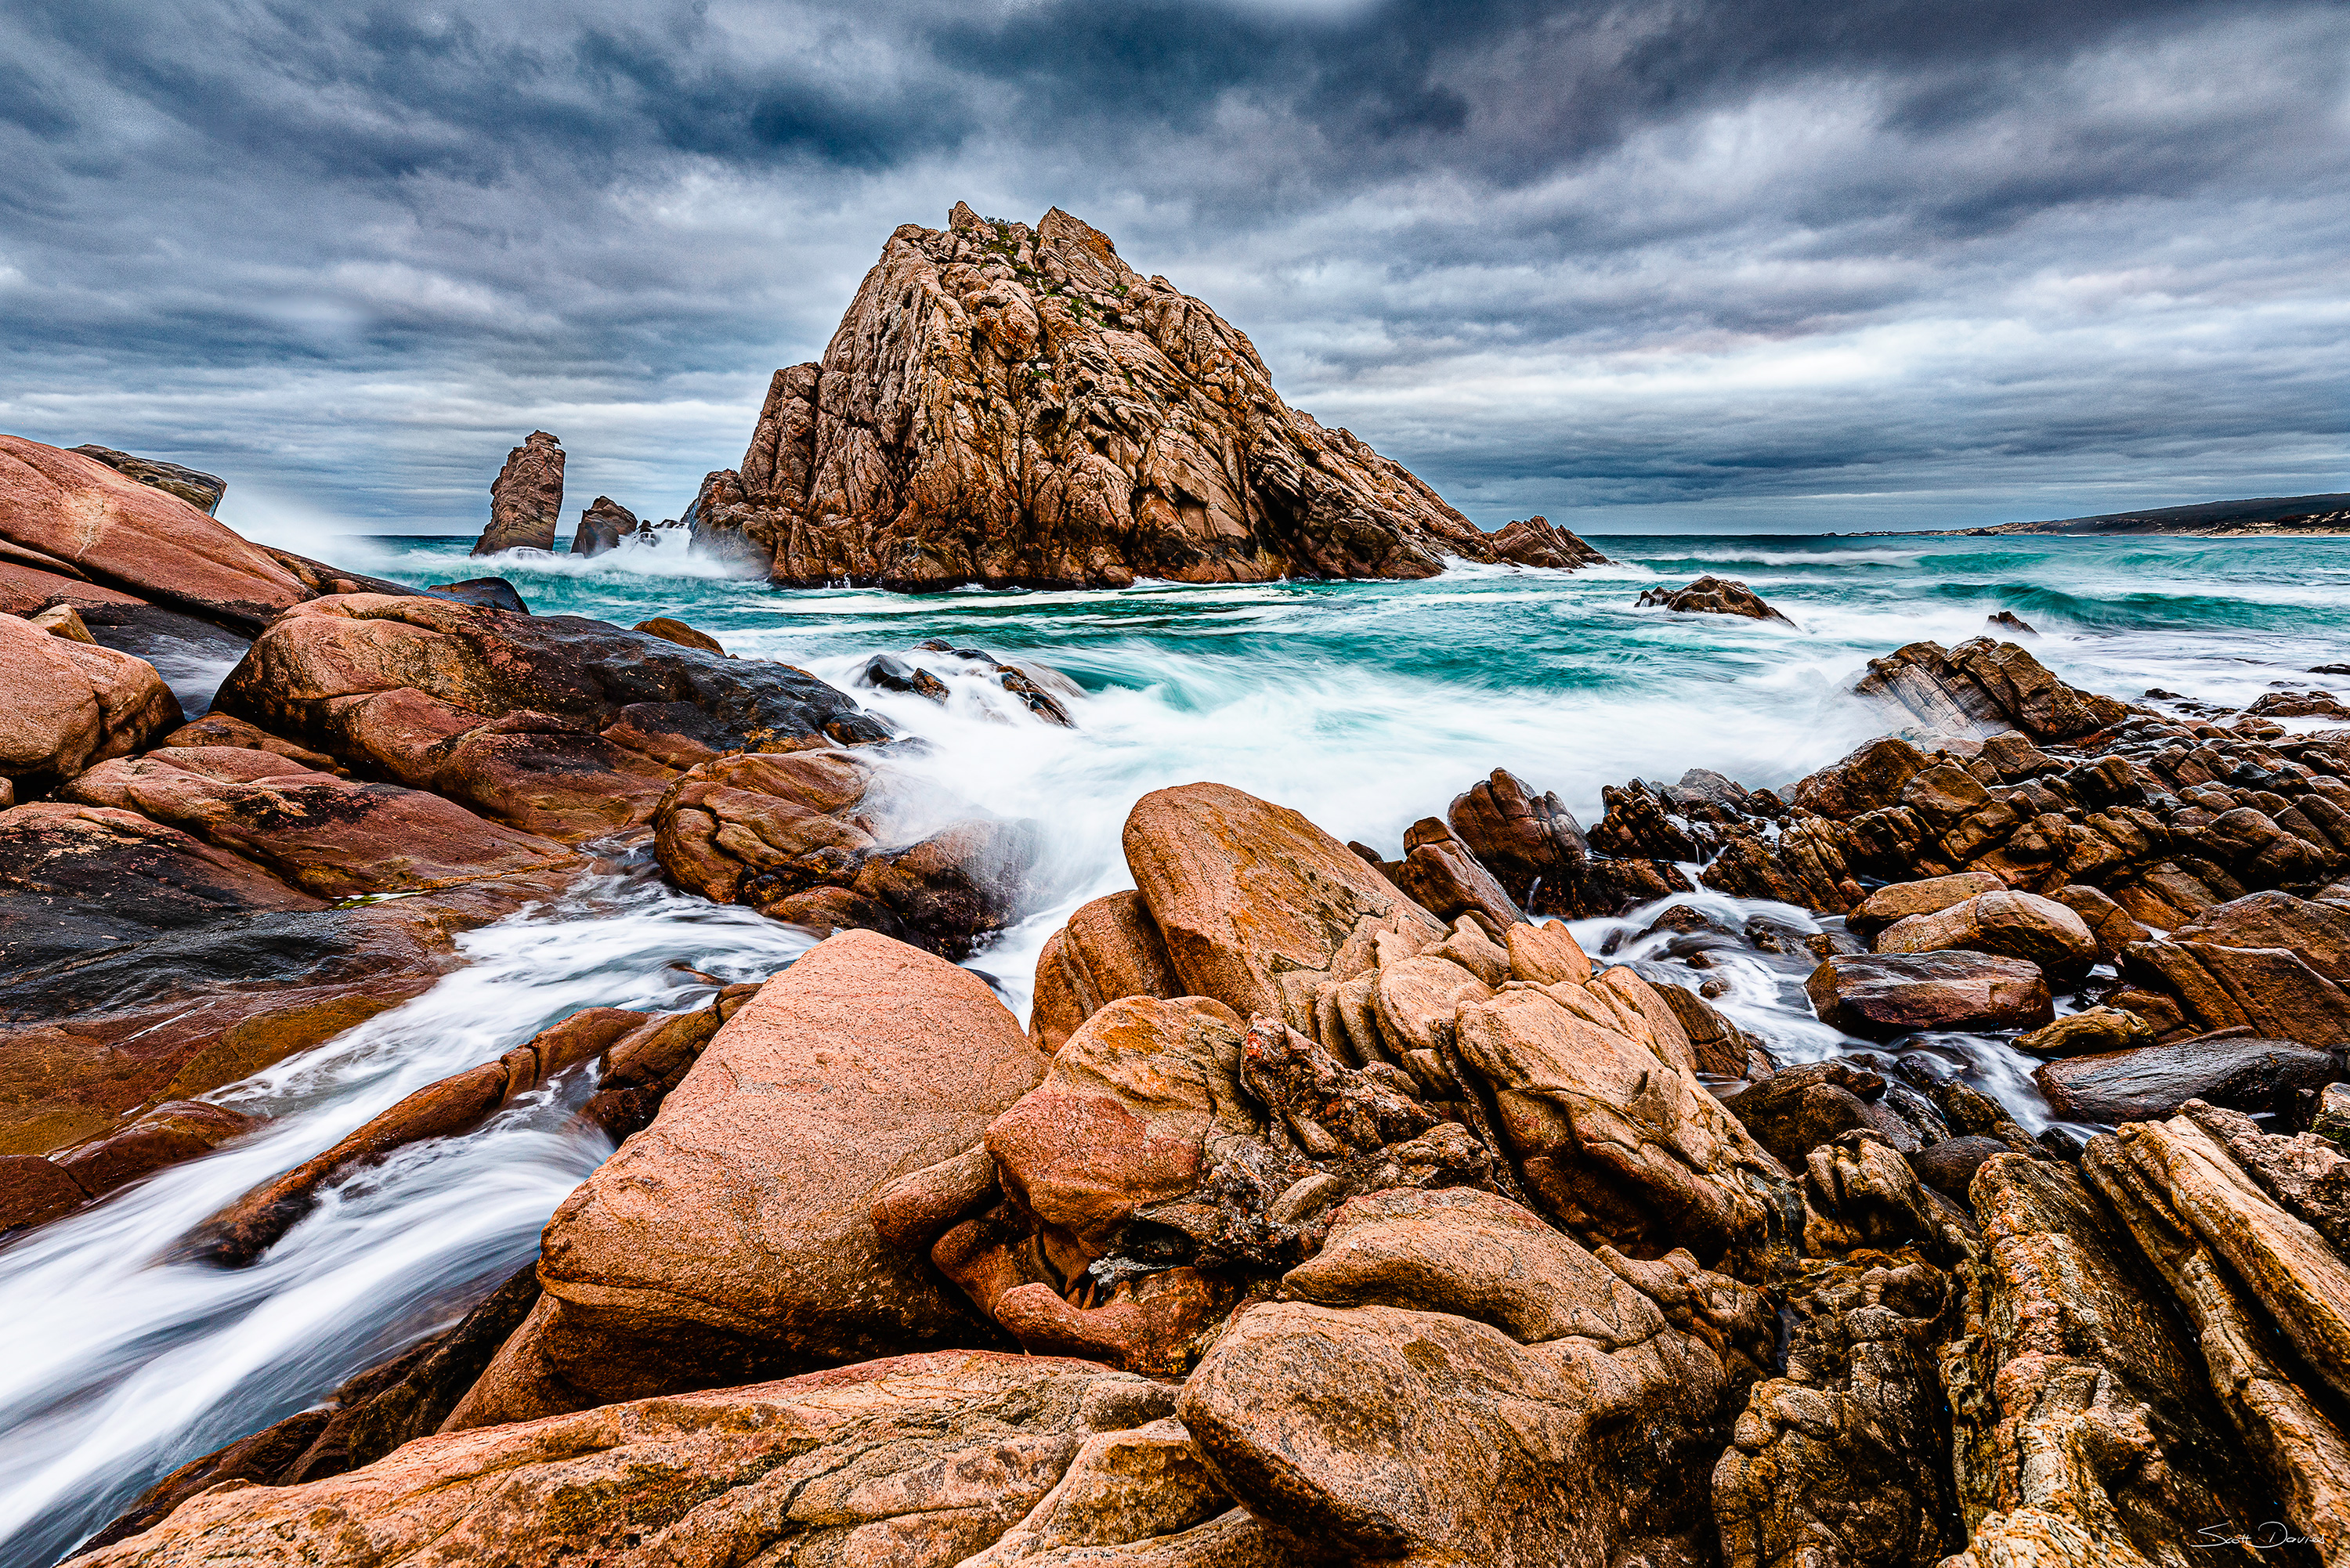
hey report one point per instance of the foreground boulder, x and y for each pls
(1714, 596)
(72, 703)
(921, 1460)
(1880, 995)
(1018, 407)
(733, 1236)
(526, 498)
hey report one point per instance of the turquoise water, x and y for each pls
(1365, 705)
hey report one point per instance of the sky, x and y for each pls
(1765, 267)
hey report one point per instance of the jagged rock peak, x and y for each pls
(1018, 407)
(526, 498)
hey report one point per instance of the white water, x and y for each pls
(1366, 706)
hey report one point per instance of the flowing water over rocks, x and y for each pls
(1367, 707)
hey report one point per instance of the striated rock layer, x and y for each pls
(1017, 407)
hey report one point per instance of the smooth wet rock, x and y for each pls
(34, 1190)
(99, 526)
(1252, 901)
(602, 527)
(734, 1234)
(139, 1017)
(1794, 1111)
(526, 498)
(2019, 925)
(1714, 596)
(72, 704)
(1880, 995)
(918, 1459)
(2153, 1081)
(174, 1131)
(2091, 1031)
(1949, 1166)
(328, 836)
(483, 593)
(1147, 439)
(221, 730)
(552, 723)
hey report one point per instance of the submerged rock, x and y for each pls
(1714, 596)
(1017, 407)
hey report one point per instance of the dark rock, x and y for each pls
(602, 527)
(1714, 596)
(1884, 994)
(526, 498)
(484, 593)
(2008, 620)
(1950, 1166)
(1986, 684)
(1027, 684)
(669, 629)
(1796, 1109)
(2153, 1081)
(200, 489)
(886, 673)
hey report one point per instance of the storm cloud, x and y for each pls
(1674, 265)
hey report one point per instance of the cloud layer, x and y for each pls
(1676, 264)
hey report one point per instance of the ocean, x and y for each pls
(1363, 705)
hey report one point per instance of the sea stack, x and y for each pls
(602, 527)
(527, 499)
(1017, 407)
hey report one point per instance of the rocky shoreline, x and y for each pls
(1332, 1206)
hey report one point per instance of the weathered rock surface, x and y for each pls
(669, 629)
(1017, 407)
(2019, 925)
(602, 527)
(922, 1460)
(733, 1235)
(71, 704)
(1714, 596)
(1844, 1457)
(482, 593)
(554, 723)
(526, 498)
(2084, 1428)
(1381, 1434)
(2090, 1032)
(1109, 948)
(1987, 685)
(74, 517)
(1253, 901)
(1891, 905)
(1883, 994)
(200, 489)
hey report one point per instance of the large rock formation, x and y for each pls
(526, 498)
(1018, 407)
(72, 703)
(602, 527)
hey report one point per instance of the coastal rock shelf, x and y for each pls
(1331, 1204)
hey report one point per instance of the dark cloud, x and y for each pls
(1840, 264)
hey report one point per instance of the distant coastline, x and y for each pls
(2264, 517)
